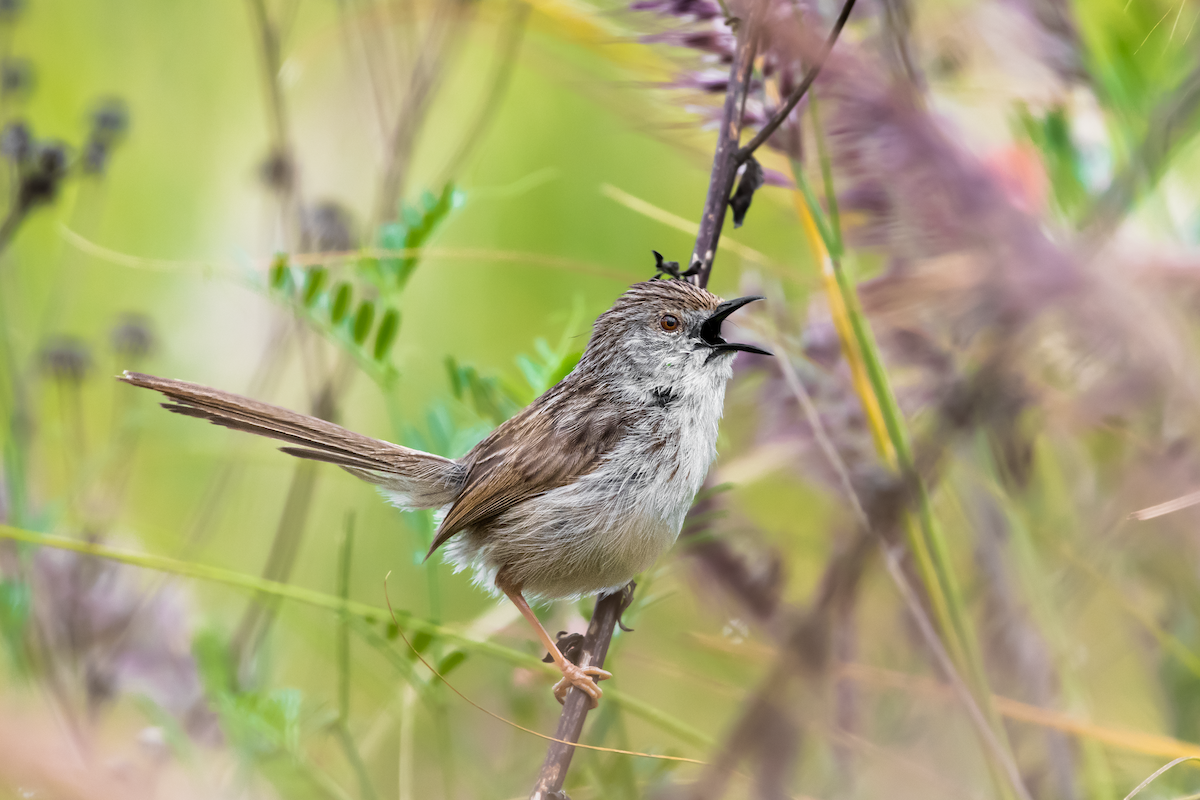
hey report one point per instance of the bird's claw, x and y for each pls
(582, 678)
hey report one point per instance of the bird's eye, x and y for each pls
(669, 322)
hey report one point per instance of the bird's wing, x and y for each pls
(563, 436)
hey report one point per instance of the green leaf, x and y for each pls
(386, 335)
(486, 395)
(363, 320)
(369, 269)
(214, 663)
(418, 225)
(456, 381)
(447, 664)
(314, 281)
(531, 371)
(14, 617)
(420, 642)
(565, 366)
(393, 236)
(341, 303)
(280, 275)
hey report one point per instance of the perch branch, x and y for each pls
(608, 608)
(570, 722)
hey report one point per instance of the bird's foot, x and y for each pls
(582, 678)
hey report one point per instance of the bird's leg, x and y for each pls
(583, 678)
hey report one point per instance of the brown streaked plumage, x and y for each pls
(575, 494)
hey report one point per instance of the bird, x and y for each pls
(575, 494)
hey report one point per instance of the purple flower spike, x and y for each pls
(699, 10)
(713, 42)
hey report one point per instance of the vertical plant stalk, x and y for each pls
(926, 539)
(342, 726)
(440, 39)
(282, 150)
(604, 617)
(726, 161)
(260, 613)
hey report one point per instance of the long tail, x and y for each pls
(412, 478)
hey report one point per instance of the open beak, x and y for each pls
(710, 329)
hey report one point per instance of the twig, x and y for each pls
(798, 93)
(725, 160)
(506, 60)
(1168, 129)
(608, 608)
(282, 153)
(998, 749)
(423, 81)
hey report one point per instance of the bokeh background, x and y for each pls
(405, 215)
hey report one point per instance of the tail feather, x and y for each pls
(412, 478)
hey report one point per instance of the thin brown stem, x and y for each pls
(725, 163)
(506, 60)
(608, 608)
(440, 38)
(570, 722)
(282, 156)
(798, 93)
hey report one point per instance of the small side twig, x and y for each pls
(725, 159)
(282, 160)
(502, 70)
(798, 93)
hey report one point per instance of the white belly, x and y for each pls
(596, 534)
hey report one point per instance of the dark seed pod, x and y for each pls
(66, 359)
(277, 172)
(45, 168)
(133, 336)
(17, 77)
(16, 142)
(329, 228)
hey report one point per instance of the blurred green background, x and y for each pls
(181, 229)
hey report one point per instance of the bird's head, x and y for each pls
(666, 332)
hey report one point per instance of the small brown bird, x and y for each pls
(578, 492)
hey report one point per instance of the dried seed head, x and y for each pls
(16, 142)
(17, 77)
(133, 336)
(110, 119)
(329, 227)
(277, 172)
(66, 359)
(10, 10)
(43, 171)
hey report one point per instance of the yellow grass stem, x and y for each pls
(841, 323)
